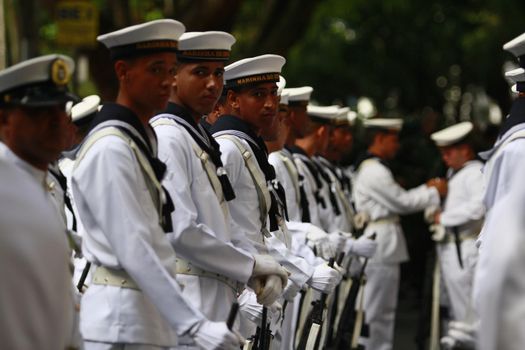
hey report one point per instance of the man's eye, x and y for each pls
(219, 74)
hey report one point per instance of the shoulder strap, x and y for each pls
(294, 175)
(259, 181)
(158, 196)
(204, 157)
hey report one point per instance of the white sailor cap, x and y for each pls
(143, 39)
(391, 124)
(83, 112)
(517, 47)
(280, 85)
(205, 46)
(323, 114)
(284, 98)
(341, 118)
(452, 135)
(37, 82)
(254, 70)
(299, 96)
(517, 76)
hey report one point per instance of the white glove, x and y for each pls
(438, 232)
(267, 290)
(266, 265)
(319, 240)
(291, 290)
(324, 278)
(338, 242)
(363, 246)
(217, 336)
(429, 213)
(361, 219)
(460, 334)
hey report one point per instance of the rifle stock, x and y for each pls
(314, 322)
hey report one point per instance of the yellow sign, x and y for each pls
(77, 23)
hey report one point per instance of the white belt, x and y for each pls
(113, 277)
(450, 238)
(186, 268)
(393, 219)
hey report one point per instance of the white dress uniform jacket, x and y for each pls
(201, 228)
(286, 172)
(245, 211)
(37, 306)
(463, 209)
(122, 231)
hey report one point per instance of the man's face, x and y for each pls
(455, 156)
(390, 144)
(198, 86)
(340, 143)
(36, 134)
(299, 118)
(147, 80)
(257, 106)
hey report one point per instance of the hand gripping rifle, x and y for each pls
(333, 310)
(347, 324)
(310, 336)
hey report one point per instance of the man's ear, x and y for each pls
(121, 69)
(232, 99)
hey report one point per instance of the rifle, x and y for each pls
(232, 315)
(310, 336)
(83, 277)
(333, 310)
(346, 326)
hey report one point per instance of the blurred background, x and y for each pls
(432, 63)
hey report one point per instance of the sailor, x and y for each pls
(211, 268)
(253, 101)
(377, 194)
(461, 216)
(37, 306)
(498, 287)
(134, 299)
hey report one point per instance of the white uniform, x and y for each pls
(201, 229)
(499, 287)
(122, 231)
(245, 212)
(310, 188)
(37, 306)
(343, 220)
(463, 209)
(377, 193)
(286, 172)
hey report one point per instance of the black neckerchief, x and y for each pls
(303, 200)
(116, 112)
(313, 170)
(204, 123)
(205, 141)
(516, 115)
(233, 125)
(320, 164)
(62, 181)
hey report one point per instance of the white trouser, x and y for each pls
(89, 345)
(381, 290)
(458, 281)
